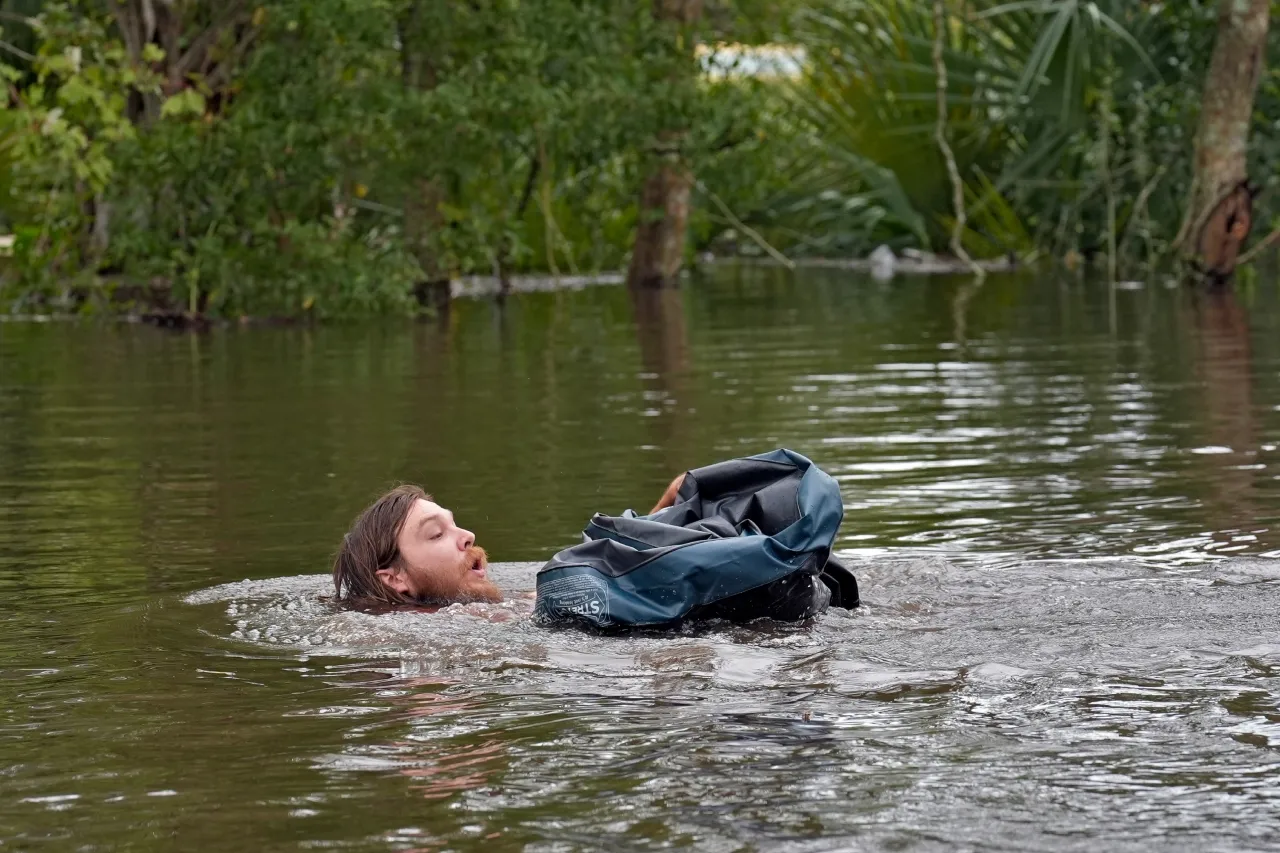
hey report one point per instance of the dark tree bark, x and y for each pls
(658, 253)
(1219, 215)
(664, 218)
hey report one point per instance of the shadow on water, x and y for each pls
(1066, 515)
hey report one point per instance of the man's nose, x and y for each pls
(467, 538)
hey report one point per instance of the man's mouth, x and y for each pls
(478, 565)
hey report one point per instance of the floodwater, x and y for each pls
(1064, 511)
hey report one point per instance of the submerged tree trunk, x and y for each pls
(664, 219)
(658, 253)
(1219, 215)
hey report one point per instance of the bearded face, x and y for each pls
(439, 561)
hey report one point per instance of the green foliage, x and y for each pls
(326, 157)
(249, 209)
(355, 148)
(1103, 124)
(58, 137)
(507, 110)
(1059, 112)
(872, 90)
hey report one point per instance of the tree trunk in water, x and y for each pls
(664, 218)
(1219, 215)
(422, 224)
(658, 253)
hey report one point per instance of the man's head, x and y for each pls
(406, 549)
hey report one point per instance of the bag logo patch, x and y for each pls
(576, 596)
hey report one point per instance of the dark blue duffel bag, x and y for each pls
(745, 539)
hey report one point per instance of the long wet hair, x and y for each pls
(371, 545)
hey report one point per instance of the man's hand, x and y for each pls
(669, 496)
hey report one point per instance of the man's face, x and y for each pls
(439, 559)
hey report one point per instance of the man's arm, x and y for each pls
(669, 496)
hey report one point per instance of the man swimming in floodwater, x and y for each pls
(406, 549)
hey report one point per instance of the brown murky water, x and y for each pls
(1066, 521)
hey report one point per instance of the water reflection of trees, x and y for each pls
(663, 339)
(169, 461)
(1224, 365)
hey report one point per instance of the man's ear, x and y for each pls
(395, 579)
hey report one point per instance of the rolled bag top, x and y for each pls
(745, 538)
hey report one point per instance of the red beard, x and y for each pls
(462, 584)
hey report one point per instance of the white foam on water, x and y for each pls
(963, 694)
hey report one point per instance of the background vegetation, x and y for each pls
(332, 157)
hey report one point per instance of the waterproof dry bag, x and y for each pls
(745, 539)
